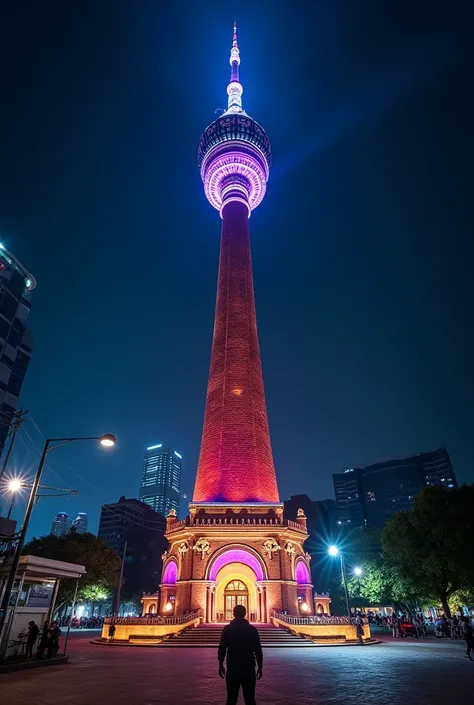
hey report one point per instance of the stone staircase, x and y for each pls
(208, 635)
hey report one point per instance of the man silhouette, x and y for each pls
(240, 641)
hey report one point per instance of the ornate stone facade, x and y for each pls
(249, 543)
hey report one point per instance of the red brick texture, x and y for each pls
(235, 463)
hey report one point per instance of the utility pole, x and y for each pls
(17, 419)
(118, 589)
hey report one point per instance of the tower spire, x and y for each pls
(234, 89)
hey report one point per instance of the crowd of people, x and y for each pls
(457, 627)
(82, 622)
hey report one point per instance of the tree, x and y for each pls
(381, 583)
(431, 544)
(374, 586)
(101, 563)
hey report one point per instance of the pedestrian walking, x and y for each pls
(468, 637)
(33, 631)
(111, 632)
(240, 647)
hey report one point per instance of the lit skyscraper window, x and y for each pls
(161, 478)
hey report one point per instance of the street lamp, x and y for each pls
(333, 552)
(15, 485)
(107, 440)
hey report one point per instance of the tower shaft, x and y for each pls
(235, 463)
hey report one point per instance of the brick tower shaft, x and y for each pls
(235, 463)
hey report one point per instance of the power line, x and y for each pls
(96, 489)
(47, 465)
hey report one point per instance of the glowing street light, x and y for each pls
(168, 607)
(304, 607)
(14, 485)
(358, 571)
(108, 440)
(334, 551)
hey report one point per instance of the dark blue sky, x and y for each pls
(362, 248)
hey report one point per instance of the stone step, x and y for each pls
(208, 635)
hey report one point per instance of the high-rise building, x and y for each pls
(236, 546)
(161, 478)
(61, 524)
(80, 523)
(367, 496)
(143, 530)
(16, 342)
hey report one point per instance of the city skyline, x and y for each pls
(358, 377)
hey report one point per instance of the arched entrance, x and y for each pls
(227, 568)
(235, 593)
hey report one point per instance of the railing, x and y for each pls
(316, 619)
(294, 525)
(234, 521)
(158, 619)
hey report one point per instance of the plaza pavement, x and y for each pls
(397, 672)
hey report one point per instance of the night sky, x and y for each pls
(362, 248)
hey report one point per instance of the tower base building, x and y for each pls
(225, 554)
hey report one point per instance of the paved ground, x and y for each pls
(394, 673)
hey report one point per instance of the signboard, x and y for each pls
(40, 595)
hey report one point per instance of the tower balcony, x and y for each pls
(234, 150)
(210, 517)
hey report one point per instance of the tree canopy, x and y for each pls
(101, 562)
(431, 545)
(381, 583)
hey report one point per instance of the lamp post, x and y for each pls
(334, 551)
(358, 572)
(107, 440)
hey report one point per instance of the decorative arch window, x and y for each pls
(302, 573)
(235, 585)
(170, 573)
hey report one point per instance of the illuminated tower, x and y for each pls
(235, 547)
(235, 463)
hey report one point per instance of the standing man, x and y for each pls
(43, 640)
(240, 642)
(53, 640)
(359, 622)
(33, 631)
(468, 637)
(111, 631)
